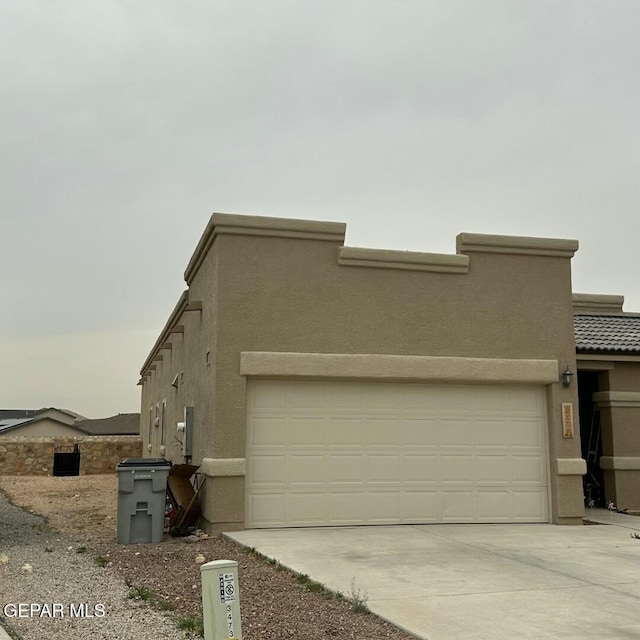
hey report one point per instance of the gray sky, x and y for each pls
(124, 125)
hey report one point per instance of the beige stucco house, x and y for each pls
(317, 384)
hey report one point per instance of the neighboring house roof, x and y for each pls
(73, 414)
(29, 416)
(8, 425)
(63, 414)
(123, 424)
(612, 333)
(14, 414)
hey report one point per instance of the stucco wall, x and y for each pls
(269, 293)
(20, 455)
(190, 364)
(619, 404)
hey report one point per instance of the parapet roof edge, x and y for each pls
(234, 224)
(404, 260)
(164, 334)
(595, 303)
(518, 245)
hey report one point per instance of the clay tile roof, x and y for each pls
(619, 333)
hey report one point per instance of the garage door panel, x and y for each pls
(527, 504)
(382, 398)
(267, 470)
(344, 468)
(493, 506)
(420, 432)
(414, 398)
(486, 399)
(322, 453)
(526, 434)
(419, 468)
(446, 398)
(345, 508)
(455, 433)
(268, 509)
(267, 431)
(528, 469)
(421, 506)
(492, 469)
(306, 509)
(457, 506)
(306, 431)
(381, 432)
(381, 468)
(456, 468)
(303, 469)
(492, 433)
(520, 401)
(383, 507)
(344, 432)
(339, 397)
(269, 395)
(307, 395)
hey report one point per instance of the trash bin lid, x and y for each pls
(143, 462)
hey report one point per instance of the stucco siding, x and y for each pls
(266, 293)
(619, 404)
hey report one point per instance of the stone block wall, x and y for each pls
(24, 455)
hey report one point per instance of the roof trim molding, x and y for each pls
(590, 303)
(404, 260)
(584, 363)
(515, 245)
(607, 357)
(233, 224)
(397, 367)
(168, 329)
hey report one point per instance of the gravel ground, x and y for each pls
(58, 574)
(82, 510)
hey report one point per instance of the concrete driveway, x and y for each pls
(478, 582)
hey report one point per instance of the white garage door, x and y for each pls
(345, 453)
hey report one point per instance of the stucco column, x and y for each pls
(620, 461)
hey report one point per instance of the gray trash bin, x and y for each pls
(142, 491)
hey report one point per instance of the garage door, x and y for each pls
(346, 453)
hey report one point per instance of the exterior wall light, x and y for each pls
(567, 375)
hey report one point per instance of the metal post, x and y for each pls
(221, 600)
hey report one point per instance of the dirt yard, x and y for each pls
(274, 603)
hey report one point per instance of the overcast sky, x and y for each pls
(124, 125)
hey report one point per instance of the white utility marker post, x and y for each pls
(221, 600)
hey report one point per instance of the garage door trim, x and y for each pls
(266, 364)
